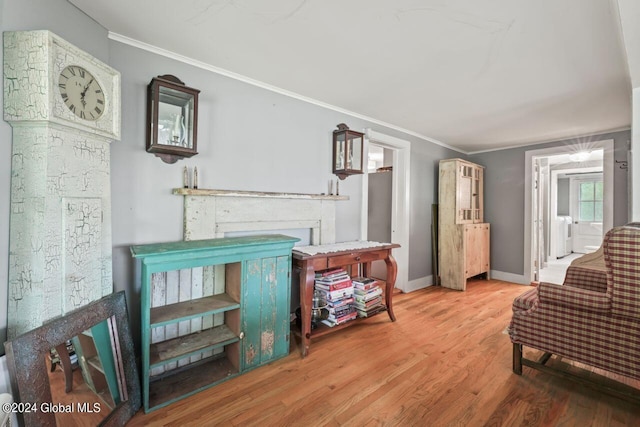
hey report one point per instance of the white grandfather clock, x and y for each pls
(64, 108)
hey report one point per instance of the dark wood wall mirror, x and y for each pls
(81, 365)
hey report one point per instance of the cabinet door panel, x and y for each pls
(485, 247)
(268, 308)
(251, 316)
(476, 249)
(266, 304)
(472, 251)
(282, 306)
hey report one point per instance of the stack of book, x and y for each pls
(367, 296)
(336, 287)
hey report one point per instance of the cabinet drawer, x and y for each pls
(317, 264)
(355, 258)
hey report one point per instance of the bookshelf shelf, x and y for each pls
(177, 348)
(166, 389)
(191, 309)
(324, 329)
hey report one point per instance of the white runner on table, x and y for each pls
(337, 247)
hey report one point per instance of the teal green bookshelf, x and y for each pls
(211, 310)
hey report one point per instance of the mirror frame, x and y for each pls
(29, 373)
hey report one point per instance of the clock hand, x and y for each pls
(83, 93)
(86, 88)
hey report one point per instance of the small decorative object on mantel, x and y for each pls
(347, 151)
(172, 118)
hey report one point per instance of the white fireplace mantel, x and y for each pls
(213, 213)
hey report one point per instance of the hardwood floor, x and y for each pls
(81, 394)
(446, 361)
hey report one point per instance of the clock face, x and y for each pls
(81, 92)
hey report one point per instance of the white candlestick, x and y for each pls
(185, 178)
(195, 177)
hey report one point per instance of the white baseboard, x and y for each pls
(426, 281)
(510, 277)
(421, 283)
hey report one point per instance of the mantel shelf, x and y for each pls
(234, 193)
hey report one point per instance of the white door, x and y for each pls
(587, 195)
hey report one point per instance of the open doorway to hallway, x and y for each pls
(400, 193)
(380, 193)
(568, 205)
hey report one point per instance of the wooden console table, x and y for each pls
(310, 259)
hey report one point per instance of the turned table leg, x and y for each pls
(392, 271)
(65, 362)
(307, 277)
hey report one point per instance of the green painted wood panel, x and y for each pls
(283, 304)
(251, 313)
(266, 305)
(269, 307)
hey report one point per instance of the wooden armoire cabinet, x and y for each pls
(463, 236)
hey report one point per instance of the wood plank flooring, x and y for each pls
(80, 394)
(446, 361)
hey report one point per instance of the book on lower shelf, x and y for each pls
(369, 303)
(338, 291)
(371, 311)
(367, 297)
(336, 286)
(348, 297)
(364, 283)
(364, 296)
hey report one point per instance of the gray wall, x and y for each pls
(380, 190)
(248, 139)
(504, 196)
(564, 197)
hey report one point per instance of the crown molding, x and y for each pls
(221, 71)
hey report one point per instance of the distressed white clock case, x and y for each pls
(60, 223)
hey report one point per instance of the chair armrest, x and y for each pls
(586, 278)
(527, 301)
(575, 298)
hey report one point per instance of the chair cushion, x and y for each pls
(574, 298)
(584, 277)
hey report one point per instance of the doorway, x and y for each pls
(380, 197)
(550, 221)
(399, 150)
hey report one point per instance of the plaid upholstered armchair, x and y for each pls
(593, 318)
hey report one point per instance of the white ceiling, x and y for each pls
(472, 74)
